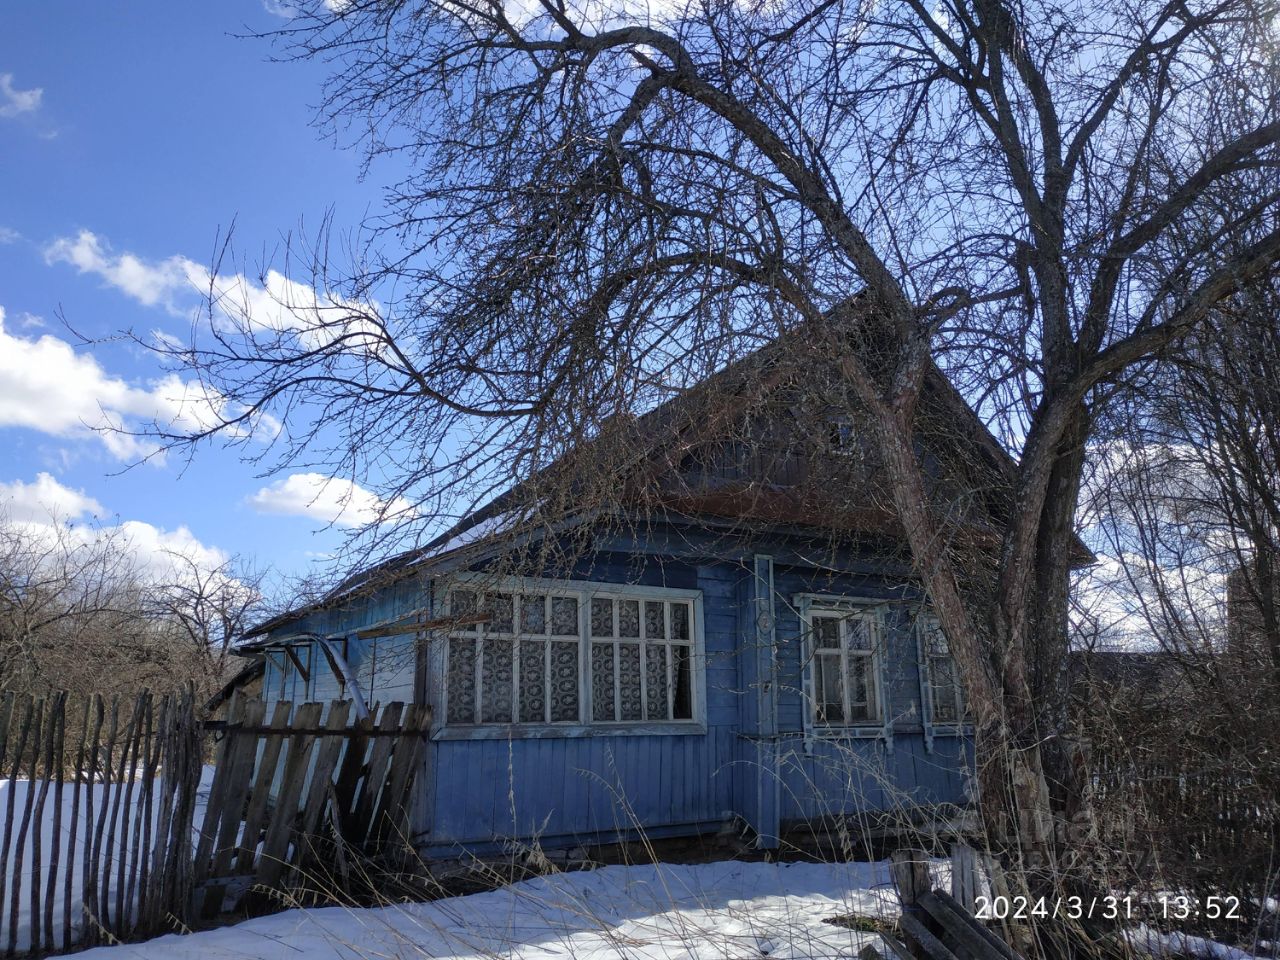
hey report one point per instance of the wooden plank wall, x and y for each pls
(482, 792)
(825, 778)
(561, 790)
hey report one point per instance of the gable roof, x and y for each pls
(677, 424)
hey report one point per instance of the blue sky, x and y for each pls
(131, 136)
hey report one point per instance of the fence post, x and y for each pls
(964, 875)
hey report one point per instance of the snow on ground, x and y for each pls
(69, 858)
(715, 911)
(1156, 944)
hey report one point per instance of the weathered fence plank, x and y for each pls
(287, 798)
(20, 846)
(59, 770)
(327, 757)
(272, 862)
(255, 813)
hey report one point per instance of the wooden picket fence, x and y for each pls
(114, 828)
(294, 800)
(98, 806)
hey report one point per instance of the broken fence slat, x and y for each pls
(353, 763)
(914, 928)
(327, 756)
(1003, 949)
(962, 929)
(897, 946)
(389, 818)
(910, 872)
(217, 789)
(239, 780)
(964, 875)
(260, 796)
(275, 848)
(374, 779)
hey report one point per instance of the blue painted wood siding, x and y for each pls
(485, 794)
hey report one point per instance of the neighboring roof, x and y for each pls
(1150, 675)
(496, 521)
(253, 671)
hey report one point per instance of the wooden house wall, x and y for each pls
(752, 761)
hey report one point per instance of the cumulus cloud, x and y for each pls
(44, 501)
(326, 499)
(14, 101)
(152, 283)
(56, 517)
(48, 385)
(279, 305)
(1127, 602)
(274, 304)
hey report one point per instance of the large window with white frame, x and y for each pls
(844, 650)
(559, 654)
(942, 688)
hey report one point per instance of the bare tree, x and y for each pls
(1186, 499)
(79, 612)
(1189, 498)
(606, 202)
(212, 607)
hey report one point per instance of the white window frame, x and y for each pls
(585, 591)
(963, 726)
(811, 604)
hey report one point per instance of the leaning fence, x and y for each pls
(124, 818)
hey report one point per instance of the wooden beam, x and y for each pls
(914, 928)
(421, 626)
(297, 663)
(962, 929)
(1003, 949)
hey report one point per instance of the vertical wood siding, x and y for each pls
(486, 793)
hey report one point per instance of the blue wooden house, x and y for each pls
(737, 640)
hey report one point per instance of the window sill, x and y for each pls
(864, 732)
(952, 730)
(569, 731)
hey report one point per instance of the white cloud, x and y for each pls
(52, 517)
(156, 283)
(46, 384)
(9, 235)
(45, 501)
(274, 305)
(328, 500)
(282, 305)
(159, 551)
(14, 101)
(1127, 602)
(288, 9)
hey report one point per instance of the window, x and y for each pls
(641, 656)
(565, 655)
(943, 692)
(844, 666)
(842, 436)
